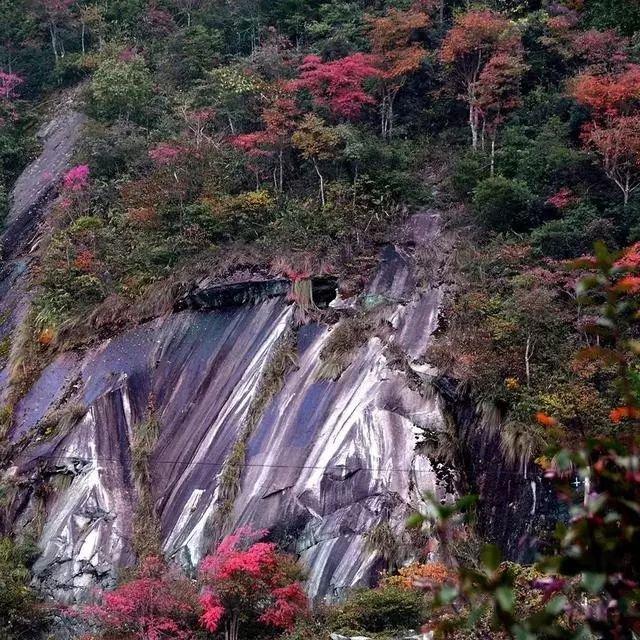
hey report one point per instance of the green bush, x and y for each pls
(383, 609)
(573, 235)
(468, 171)
(20, 615)
(74, 67)
(541, 157)
(112, 151)
(501, 204)
(121, 89)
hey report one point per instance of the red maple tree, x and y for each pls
(498, 91)
(338, 84)
(247, 582)
(398, 54)
(158, 603)
(614, 130)
(474, 39)
(279, 119)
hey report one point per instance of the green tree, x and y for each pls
(317, 143)
(501, 204)
(121, 89)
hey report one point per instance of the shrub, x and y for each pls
(74, 67)
(409, 577)
(574, 234)
(501, 204)
(158, 602)
(20, 614)
(468, 171)
(110, 151)
(382, 609)
(121, 89)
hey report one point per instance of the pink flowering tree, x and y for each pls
(76, 179)
(74, 189)
(160, 603)
(247, 582)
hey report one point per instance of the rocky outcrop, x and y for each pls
(313, 431)
(517, 506)
(326, 462)
(31, 200)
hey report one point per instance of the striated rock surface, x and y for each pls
(326, 462)
(328, 453)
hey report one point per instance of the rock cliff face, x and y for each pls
(330, 447)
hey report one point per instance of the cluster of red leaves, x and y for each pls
(166, 153)
(76, 179)
(156, 605)
(473, 33)
(249, 577)
(338, 84)
(498, 89)
(84, 260)
(279, 122)
(611, 95)
(392, 41)
(600, 47)
(562, 198)
(9, 83)
(144, 217)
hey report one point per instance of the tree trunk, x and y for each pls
(231, 628)
(493, 156)
(315, 166)
(281, 168)
(527, 359)
(54, 40)
(83, 36)
(473, 123)
(627, 191)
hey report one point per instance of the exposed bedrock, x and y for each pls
(327, 460)
(320, 449)
(31, 200)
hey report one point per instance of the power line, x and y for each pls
(272, 466)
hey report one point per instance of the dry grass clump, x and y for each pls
(343, 343)
(282, 360)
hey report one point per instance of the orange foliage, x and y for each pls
(142, 216)
(611, 94)
(473, 34)
(624, 413)
(46, 336)
(84, 260)
(629, 284)
(420, 576)
(391, 40)
(545, 420)
(630, 258)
